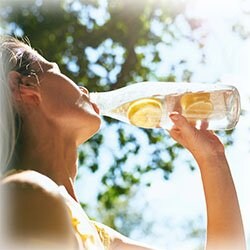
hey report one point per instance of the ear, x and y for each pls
(24, 89)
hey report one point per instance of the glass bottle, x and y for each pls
(148, 104)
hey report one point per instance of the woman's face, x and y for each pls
(65, 104)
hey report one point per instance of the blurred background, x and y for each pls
(140, 181)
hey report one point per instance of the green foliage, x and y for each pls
(123, 216)
(196, 230)
(101, 45)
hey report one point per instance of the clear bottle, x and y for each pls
(148, 104)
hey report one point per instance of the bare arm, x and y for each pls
(35, 215)
(224, 222)
(121, 242)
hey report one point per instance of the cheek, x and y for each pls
(59, 99)
(64, 104)
(56, 103)
(64, 110)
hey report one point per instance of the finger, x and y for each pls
(204, 125)
(181, 130)
(181, 123)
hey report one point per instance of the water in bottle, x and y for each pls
(148, 104)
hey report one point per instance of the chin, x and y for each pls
(90, 130)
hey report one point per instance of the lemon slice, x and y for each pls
(145, 113)
(200, 109)
(197, 105)
(191, 98)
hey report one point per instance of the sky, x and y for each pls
(227, 60)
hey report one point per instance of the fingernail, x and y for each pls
(174, 116)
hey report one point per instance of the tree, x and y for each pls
(106, 45)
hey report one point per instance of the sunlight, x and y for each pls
(213, 8)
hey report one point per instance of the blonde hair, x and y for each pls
(18, 56)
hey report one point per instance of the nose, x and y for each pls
(84, 90)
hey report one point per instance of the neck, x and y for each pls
(51, 154)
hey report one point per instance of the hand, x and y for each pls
(201, 143)
(224, 224)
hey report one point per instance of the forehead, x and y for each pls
(42, 65)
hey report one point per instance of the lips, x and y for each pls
(95, 107)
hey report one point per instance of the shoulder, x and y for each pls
(29, 178)
(19, 187)
(30, 189)
(33, 208)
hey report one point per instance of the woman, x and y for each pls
(42, 124)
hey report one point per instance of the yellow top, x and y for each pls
(90, 235)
